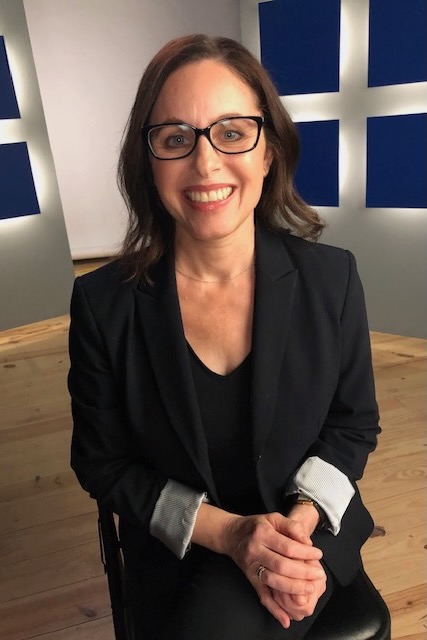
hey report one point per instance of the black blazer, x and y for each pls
(136, 418)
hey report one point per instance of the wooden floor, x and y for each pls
(52, 585)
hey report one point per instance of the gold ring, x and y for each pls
(260, 571)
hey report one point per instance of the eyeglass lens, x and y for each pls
(235, 135)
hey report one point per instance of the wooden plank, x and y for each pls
(396, 562)
(396, 347)
(25, 432)
(19, 463)
(99, 629)
(387, 479)
(54, 610)
(34, 332)
(400, 422)
(408, 447)
(50, 571)
(44, 539)
(387, 512)
(42, 485)
(408, 610)
(85, 266)
(35, 393)
(30, 512)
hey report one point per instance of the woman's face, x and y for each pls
(199, 94)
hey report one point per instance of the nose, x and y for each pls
(206, 159)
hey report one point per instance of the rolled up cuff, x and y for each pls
(174, 516)
(326, 485)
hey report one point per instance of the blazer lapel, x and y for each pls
(276, 279)
(161, 322)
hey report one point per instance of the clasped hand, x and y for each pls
(294, 579)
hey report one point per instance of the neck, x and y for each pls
(217, 281)
(220, 261)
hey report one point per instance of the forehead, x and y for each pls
(201, 92)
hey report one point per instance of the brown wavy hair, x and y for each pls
(150, 228)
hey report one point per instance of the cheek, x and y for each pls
(254, 162)
(164, 179)
(158, 173)
(253, 173)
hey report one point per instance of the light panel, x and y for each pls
(355, 101)
(18, 193)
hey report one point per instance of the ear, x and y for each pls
(268, 159)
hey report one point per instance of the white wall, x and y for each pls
(89, 56)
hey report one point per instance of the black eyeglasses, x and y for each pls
(174, 140)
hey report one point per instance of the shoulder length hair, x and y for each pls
(150, 227)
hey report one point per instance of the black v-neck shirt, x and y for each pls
(224, 403)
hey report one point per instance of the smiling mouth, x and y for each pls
(209, 196)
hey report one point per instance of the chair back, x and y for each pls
(112, 559)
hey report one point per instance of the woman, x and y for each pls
(221, 377)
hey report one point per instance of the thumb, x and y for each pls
(299, 599)
(292, 529)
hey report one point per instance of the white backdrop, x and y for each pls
(89, 57)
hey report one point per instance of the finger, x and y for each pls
(267, 600)
(293, 568)
(316, 563)
(294, 611)
(291, 528)
(299, 600)
(284, 584)
(293, 549)
(297, 616)
(286, 545)
(287, 602)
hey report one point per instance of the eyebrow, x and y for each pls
(173, 119)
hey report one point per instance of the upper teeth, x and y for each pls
(209, 196)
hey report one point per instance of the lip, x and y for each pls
(212, 205)
(209, 187)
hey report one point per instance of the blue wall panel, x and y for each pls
(8, 104)
(300, 44)
(317, 172)
(397, 42)
(17, 192)
(397, 161)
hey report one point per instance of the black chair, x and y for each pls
(112, 559)
(355, 612)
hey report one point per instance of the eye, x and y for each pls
(177, 140)
(173, 136)
(231, 132)
(231, 135)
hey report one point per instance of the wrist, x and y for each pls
(213, 528)
(307, 515)
(227, 538)
(318, 516)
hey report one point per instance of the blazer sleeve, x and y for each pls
(350, 428)
(104, 455)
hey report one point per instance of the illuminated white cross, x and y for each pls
(353, 103)
(390, 243)
(30, 127)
